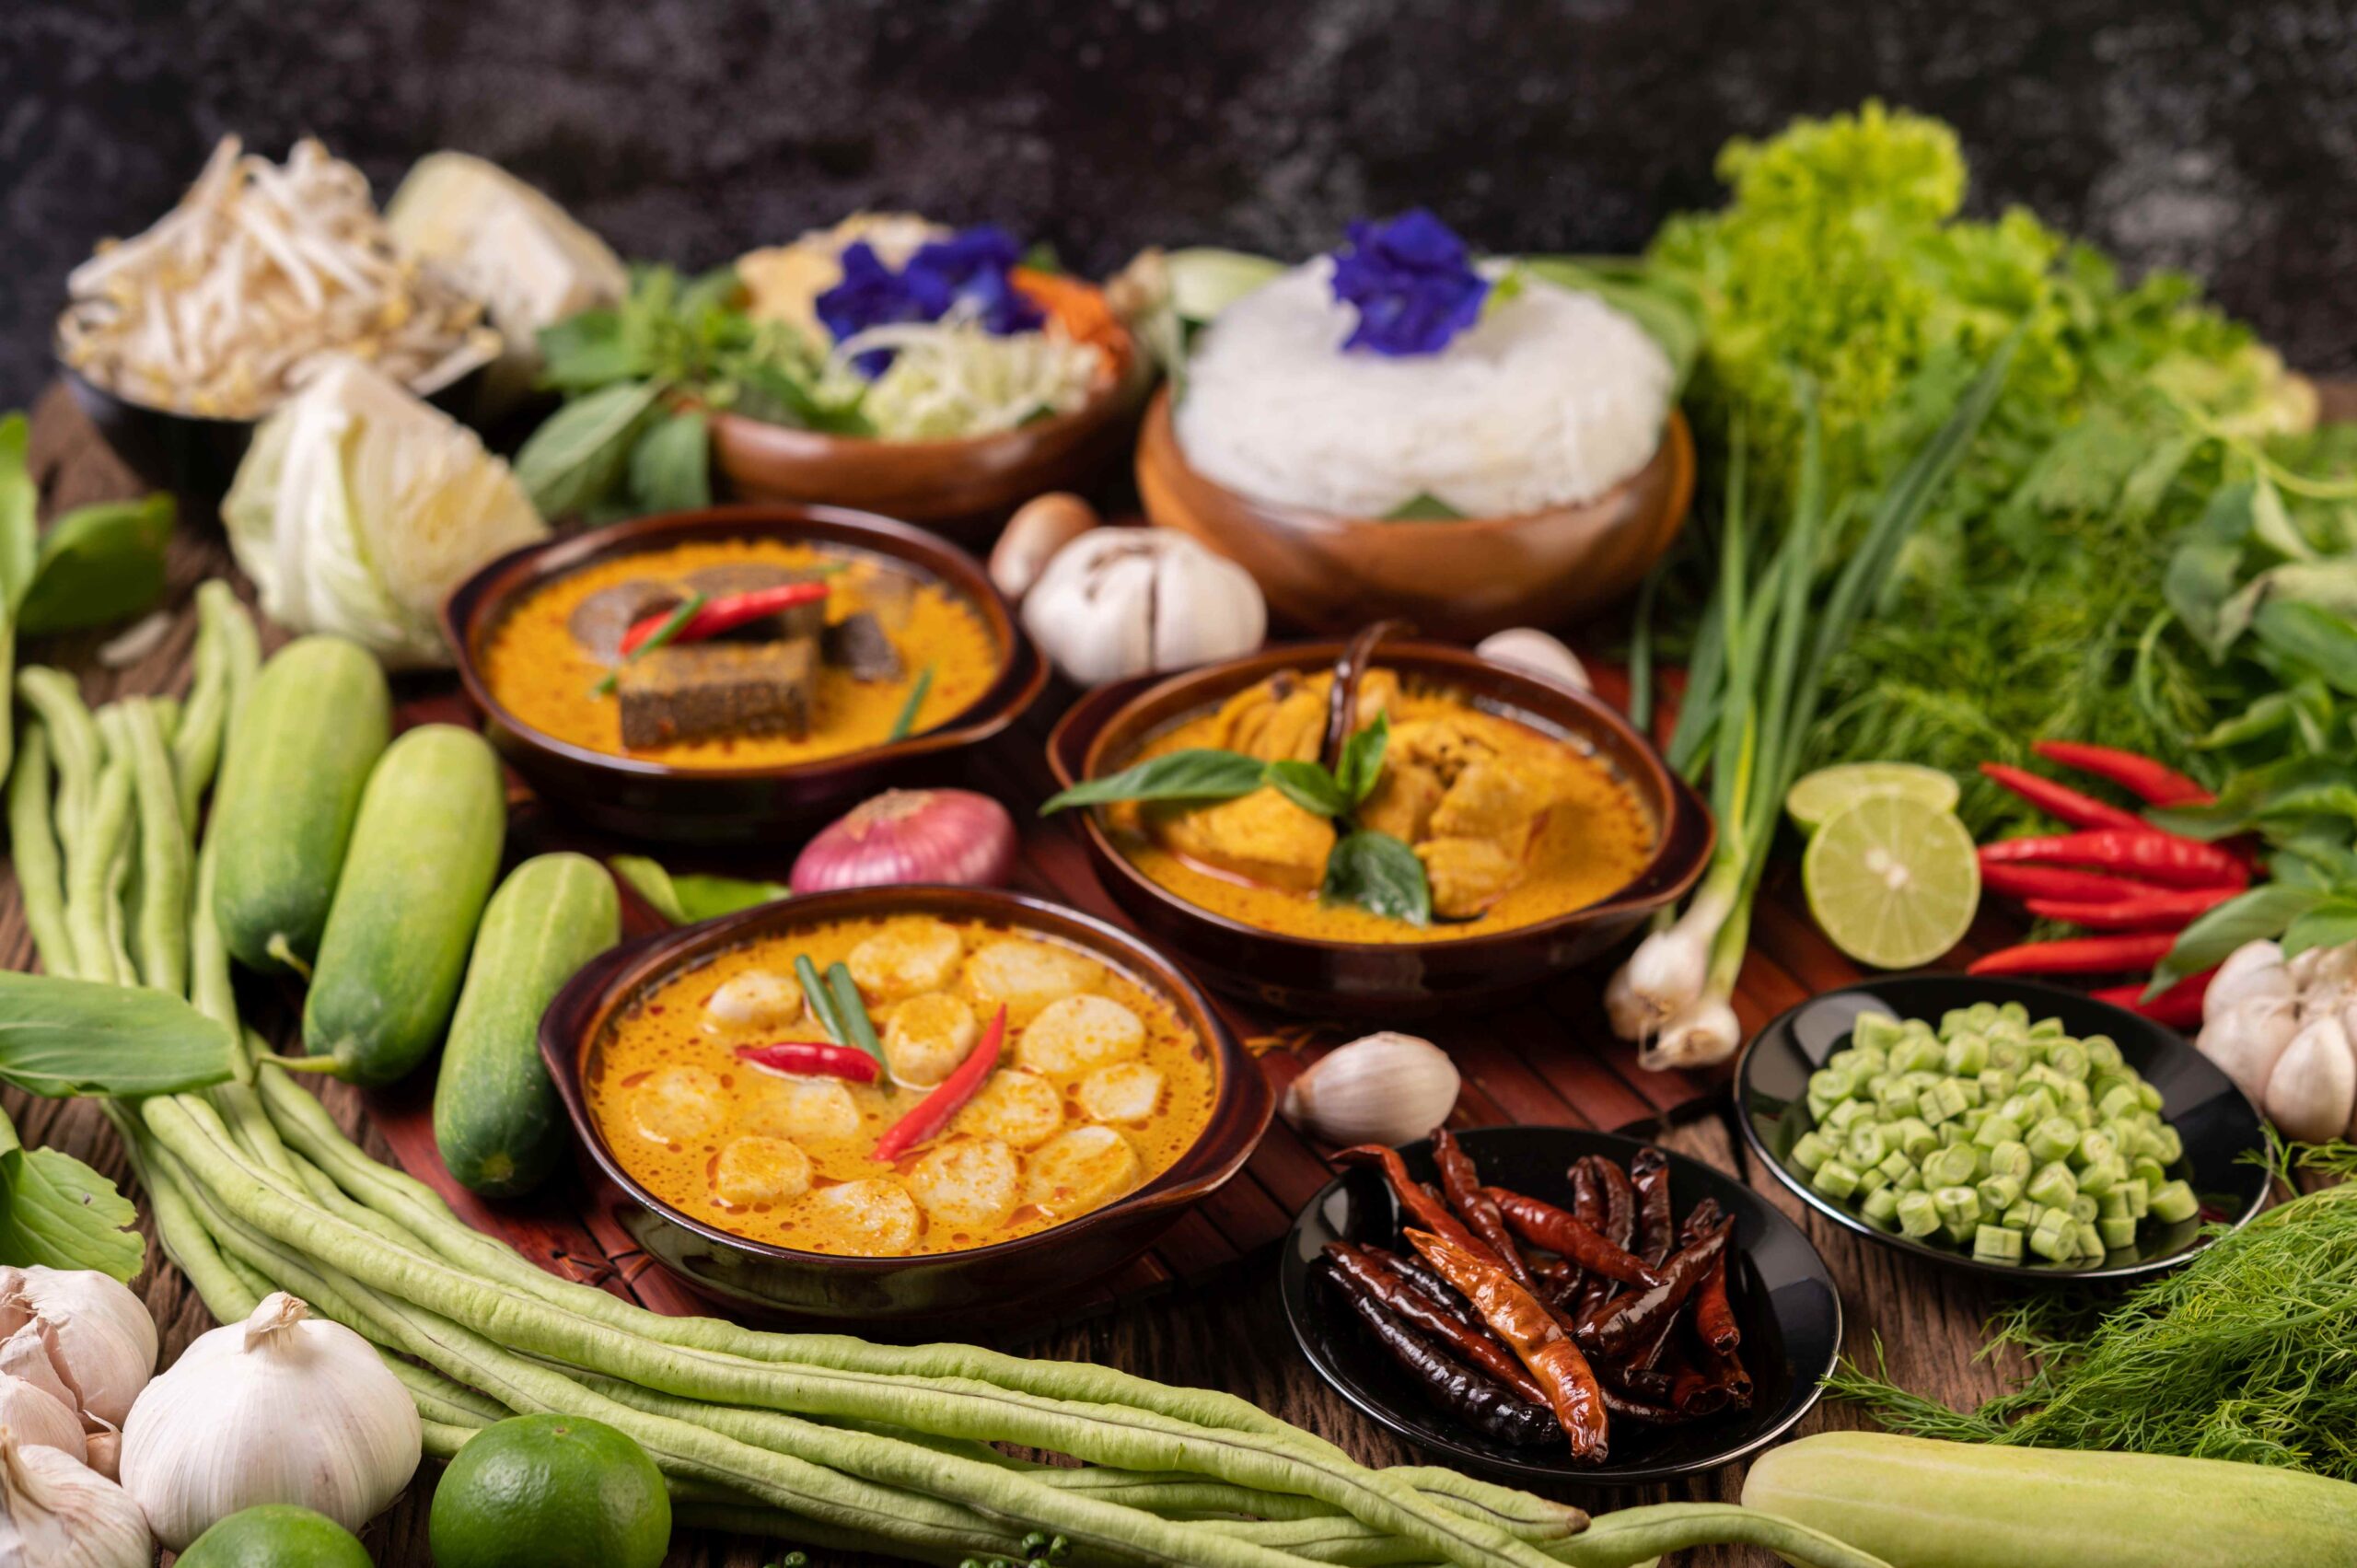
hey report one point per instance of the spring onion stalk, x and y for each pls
(1758, 674)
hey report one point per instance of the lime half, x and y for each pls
(1892, 882)
(1822, 796)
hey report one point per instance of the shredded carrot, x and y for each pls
(1080, 309)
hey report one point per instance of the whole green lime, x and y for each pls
(276, 1535)
(551, 1492)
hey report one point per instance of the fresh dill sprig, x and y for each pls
(2248, 1352)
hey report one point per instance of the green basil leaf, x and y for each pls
(2263, 912)
(651, 882)
(587, 351)
(57, 1212)
(2207, 567)
(1378, 872)
(1360, 767)
(1308, 786)
(2272, 524)
(716, 291)
(2329, 924)
(574, 460)
(20, 513)
(1197, 773)
(64, 1038)
(98, 565)
(1422, 507)
(2316, 640)
(670, 469)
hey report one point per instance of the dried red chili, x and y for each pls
(1371, 1271)
(1616, 1326)
(1543, 1224)
(1530, 1331)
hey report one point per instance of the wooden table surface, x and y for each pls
(1230, 1335)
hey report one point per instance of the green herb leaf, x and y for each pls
(651, 881)
(1379, 873)
(576, 460)
(2314, 640)
(1422, 507)
(57, 1212)
(2329, 924)
(64, 1038)
(1360, 767)
(2263, 912)
(587, 351)
(684, 898)
(906, 719)
(1196, 774)
(670, 467)
(1310, 787)
(98, 565)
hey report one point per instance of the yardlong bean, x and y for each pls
(74, 744)
(163, 849)
(91, 855)
(33, 847)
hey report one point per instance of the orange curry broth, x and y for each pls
(1590, 842)
(547, 680)
(666, 1028)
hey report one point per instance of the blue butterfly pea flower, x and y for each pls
(1411, 282)
(970, 268)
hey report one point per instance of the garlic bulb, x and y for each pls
(105, 1342)
(282, 1408)
(56, 1512)
(1118, 602)
(2255, 970)
(1041, 526)
(1380, 1088)
(2309, 1094)
(39, 1419)
(1528, 648)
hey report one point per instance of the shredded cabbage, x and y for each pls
(359, 507)
(951, 378)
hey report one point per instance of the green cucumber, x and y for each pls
(1917, 1502)
(424, 852)
(495, 1114)
(316, 722)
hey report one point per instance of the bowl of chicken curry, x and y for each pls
(1369, 826)
(897, 1101)
(732, 672)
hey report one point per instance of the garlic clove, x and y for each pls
(1122, 601)
(31, 1353)
(2246, 1041)
(38, 1419)
(1381, 1088)
(105, 1342)
(1541, 654)
(1041, 526)
(2311, 1093)
(2253, 969)
(55, 1512)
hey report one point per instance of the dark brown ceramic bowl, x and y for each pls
(963, 488)
(1103, 731)
(1463, 577)
(767, 1279)
(643, 799)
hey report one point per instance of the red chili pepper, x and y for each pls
(2153, 912)
(2018, 881)
(726, 613)
(2179, 1007)
(2155, 857)
(948, 1097)
(2153, 783)
(2079, 955)
(2061, 801)
(813, 1058)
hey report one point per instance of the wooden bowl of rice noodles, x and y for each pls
(1547, 433)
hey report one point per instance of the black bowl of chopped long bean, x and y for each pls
(1708, 1346)
(2087, 1142)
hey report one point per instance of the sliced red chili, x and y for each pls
(934, 1113)
(812, 1058)
(725, 612)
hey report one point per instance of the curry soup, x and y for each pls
(1102, 1087)
(1514, 825)
(547, 658)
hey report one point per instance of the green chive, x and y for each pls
(662, 634)
(907, 721)
(853, 1012)
(822, 1006)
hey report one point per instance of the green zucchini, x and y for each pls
(424, 852)
(495, 1114)
(1916, 1502)
(316, 722)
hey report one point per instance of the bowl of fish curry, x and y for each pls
(898, 1101)
(736, 672)
(1376, 825)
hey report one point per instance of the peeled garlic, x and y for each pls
(2310, 1094)
(1041, 526)
(1528, 648)
(282, 1408)
(1381, 1088)
(1118, 602)
(105, 1342)
(56, 1512)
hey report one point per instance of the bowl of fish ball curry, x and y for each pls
(734, 672)
(897, 1101)
(1374, 826)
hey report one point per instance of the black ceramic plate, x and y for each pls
(1785, 1302)
(2213, 1118)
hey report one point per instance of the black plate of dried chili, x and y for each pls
(1705, 1319)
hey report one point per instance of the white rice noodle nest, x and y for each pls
(1550, 400)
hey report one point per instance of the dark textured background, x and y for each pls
(2218, 136)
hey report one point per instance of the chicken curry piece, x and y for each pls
(1513, 825)
(1100, 1086)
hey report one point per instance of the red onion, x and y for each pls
(911, 836)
